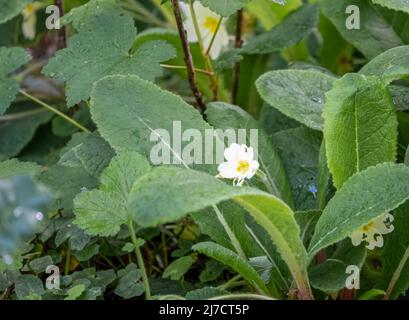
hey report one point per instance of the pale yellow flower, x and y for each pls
(207, 21)
(240, 164)
(30, 19)
(372, 232)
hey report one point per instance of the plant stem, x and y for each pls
(62, 35)
(219, 23)
(238, 44)
(139, 259)
(52, 109)
(168, 66)
(188, 57)
(207, 61)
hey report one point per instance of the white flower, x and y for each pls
(207, 21)
(240, 164)
(30, 20)
(372, 232)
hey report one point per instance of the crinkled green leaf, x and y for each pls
(86, 16)
(10, 60)
(390, 65)
(363, 198)
(295, 27)
(102, 212)
(14, 167)
(129, 112)
(75, 292)
(27, 285)
(67, 182)
(102, 51)
(11, 8)
(299, 94)
(130, 283)
(399, 5)
(373, 37)
(360, 126)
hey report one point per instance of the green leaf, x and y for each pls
(299, 94)
(232, 260)
(94, 154)
(224, 7)
(398, 5)
(75, 292)
(226, 116)
(295, 27)
(130, 282)
(205, 293)
(400, 95)
(86, 16)
(360, 126)
(367, 39)
(28, 285)
(41, 264)
(99, 52)
(9, 9)
(14, 167)
(374, 191)
(389, 65)
(227, 60)
(129, 111)
(67, 183)
(299, 151)
(177, 269)
(18, 126)
(395, 256)
(102, 212)
(10, 60)
(331, 274)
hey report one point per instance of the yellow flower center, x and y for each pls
(243, 166)
(29, 9)
(367, 227)
(211, 24)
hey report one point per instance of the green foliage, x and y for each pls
(98, 52)
(10, 60)
(299, 94)
(94, 181)
(9, 9)
(360, 126)
(293, 29)
(382, 188)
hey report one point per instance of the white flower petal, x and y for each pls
(356, 237)
(228, 170)
(382, 224)
(232, 153)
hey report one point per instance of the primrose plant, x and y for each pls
(307, 199)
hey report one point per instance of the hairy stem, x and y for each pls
(139, 259)
(62, 35)
(54, 110)
(168, 66)
(188, 57)
(214, 36)
(206, 59)
(236, 69)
